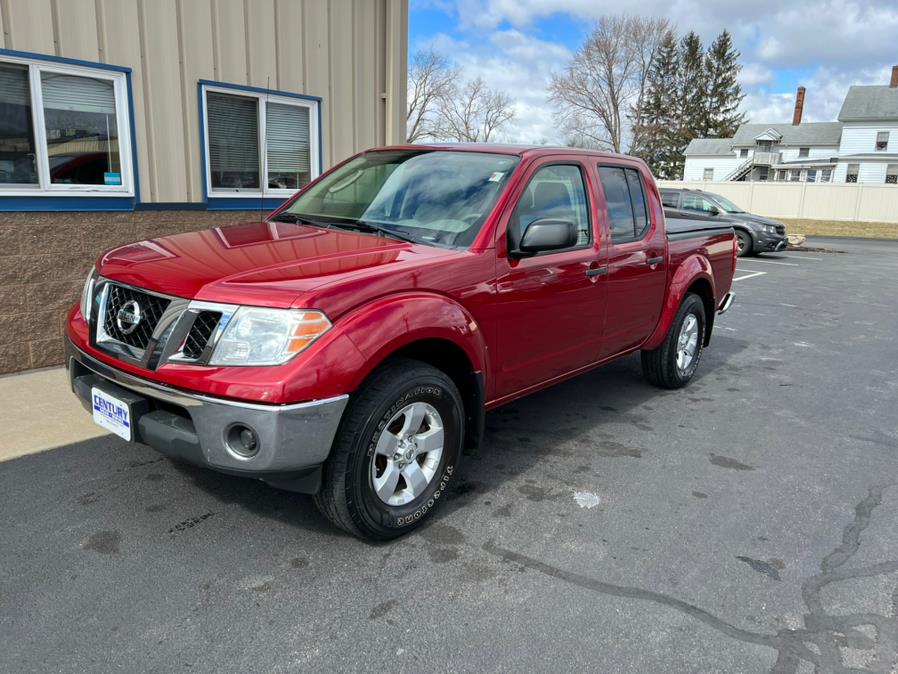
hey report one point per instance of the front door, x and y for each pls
(549, 305)
(637, 264)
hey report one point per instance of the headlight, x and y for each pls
(257, 336)
(770, 229)
(87, 294)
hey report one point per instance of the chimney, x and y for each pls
(894, 81)
(799, 106)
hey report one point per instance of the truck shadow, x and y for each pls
(570, 424)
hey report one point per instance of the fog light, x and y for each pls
(243, 441)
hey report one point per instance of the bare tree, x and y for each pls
(473, 113)
(605, 78)
(430, 80)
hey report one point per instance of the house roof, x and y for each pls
(710, 146)
(870, 102)
(810, 133)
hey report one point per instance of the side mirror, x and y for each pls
(714, 210)
(548, 234)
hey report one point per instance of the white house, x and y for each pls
(861, 147)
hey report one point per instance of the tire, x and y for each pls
(363, 460)
(744, 243)
(662, 366)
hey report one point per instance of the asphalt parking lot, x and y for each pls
(743, 524)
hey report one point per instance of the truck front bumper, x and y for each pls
(291, 441)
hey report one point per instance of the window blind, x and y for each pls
(14, 84)
(287, 137)
(77, 94)
(233, 127)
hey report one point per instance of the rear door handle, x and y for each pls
(597, 271)
(655, 260)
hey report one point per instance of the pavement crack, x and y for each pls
(823, 635)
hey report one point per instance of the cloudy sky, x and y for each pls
(516, 45)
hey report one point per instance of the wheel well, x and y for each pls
(702, 288)
(451, 359)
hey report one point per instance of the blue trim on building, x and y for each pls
(63, 59)
(43, 202)
(249, 202)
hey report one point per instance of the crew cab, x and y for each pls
(350, 344)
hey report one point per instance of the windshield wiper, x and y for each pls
(367, 226)
(287, 216)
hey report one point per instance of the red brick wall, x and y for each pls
(44, 259)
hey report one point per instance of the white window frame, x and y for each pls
(261, 99)
(705, 174)
(45, 188)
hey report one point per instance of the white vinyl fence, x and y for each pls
(809, 201)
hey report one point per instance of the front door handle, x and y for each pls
(655, 260)
(596, 271)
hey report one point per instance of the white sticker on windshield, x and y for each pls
(496, 176)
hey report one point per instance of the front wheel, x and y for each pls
(397, 448)
(673, 363)
(743, 244)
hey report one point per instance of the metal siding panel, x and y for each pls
(165, 108)
(261, 44)
(342, 54)
(367, 100)
(120, 22)
(397, 69)
(230, 24)
(197, 62)
(31, 26)
(76, 21)
(317, 68)
(290, 45)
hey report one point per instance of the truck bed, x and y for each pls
(687, 237)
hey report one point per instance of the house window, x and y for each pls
(708, 174)
(892, 174)
(258, 142)
(763, 174)
(794, 175)
(65, 130)
(851, 175)
(743, 152)
(781, 174)
(812, 176)
(803, 152)
(882, 141)
(826, 175)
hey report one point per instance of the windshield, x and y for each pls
(431, 196)
(726, 204)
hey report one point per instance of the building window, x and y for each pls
(743, 152)
(851, 175)
(803, 152)
(781, 174)
(794, 175)
(65, 130)
(882, 141)
(826, 175)
(708, 174)
(258, 142)
(892, 174)
(812, 175)
(763, 174)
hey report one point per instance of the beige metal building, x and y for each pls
(126, 119)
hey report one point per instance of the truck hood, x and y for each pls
(261, 263)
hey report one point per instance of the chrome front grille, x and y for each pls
(149, 329)
(131, 315)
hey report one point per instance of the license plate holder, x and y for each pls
(117, 410)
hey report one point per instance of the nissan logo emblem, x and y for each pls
(128, 317)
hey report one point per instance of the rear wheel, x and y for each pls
(397, 448)
(673, 363)
(743, 243)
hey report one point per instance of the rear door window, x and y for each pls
(626, 202)
(693, 202)
(670, 199)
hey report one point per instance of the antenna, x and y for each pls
(264, 178)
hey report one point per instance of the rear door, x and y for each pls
(637, 250)
(550, 306)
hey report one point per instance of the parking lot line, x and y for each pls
(785, 264)
(802, 257)
(749, 274)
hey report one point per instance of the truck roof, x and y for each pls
(507, 148)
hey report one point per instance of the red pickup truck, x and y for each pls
(350, 344)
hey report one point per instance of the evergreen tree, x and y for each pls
(691, 98)
(658, 134)
(722, 116)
